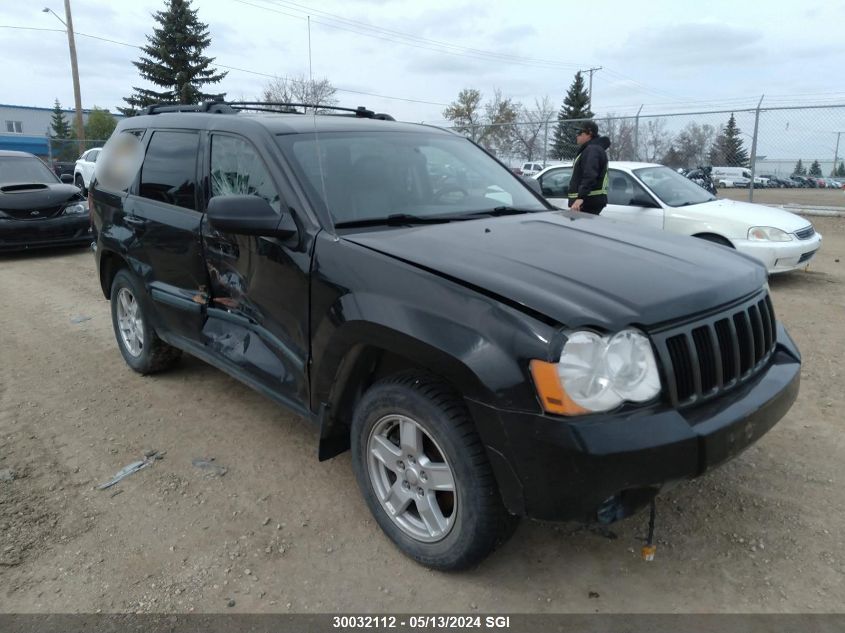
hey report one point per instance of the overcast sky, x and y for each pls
(668, 55)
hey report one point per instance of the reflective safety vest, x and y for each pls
(594, 192)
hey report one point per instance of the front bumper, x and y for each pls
(781, 257)
(18, 235)
(554, 468)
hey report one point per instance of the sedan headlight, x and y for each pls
(598, 373)
(76, 208)
(768, 234)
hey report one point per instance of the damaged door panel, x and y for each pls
(258, 286)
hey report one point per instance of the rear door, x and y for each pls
(167, 247)
(628, 201)
(259, 285)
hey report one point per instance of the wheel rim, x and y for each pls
(129, 322)
(412, 478)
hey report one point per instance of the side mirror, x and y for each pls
(642, 201)
(533, 184)
(248, 215)
(66, 178)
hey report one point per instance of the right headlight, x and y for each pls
(598, 373)
(768, 234)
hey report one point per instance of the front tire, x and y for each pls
(139, 345)
(424, 474)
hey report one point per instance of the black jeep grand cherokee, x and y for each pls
(484, 355)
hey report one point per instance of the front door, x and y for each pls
(628, 201)
(555, 186)
(259, 286)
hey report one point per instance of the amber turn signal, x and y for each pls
(552, 394)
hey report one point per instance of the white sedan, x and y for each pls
(656, 196)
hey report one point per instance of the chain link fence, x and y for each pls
(761, 150)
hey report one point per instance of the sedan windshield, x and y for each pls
(672, 188)
(360, 178)
(20, 170)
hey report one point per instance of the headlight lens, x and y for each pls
(598, 373)
(768, 234)
(76, 208)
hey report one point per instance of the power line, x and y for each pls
(235, 68)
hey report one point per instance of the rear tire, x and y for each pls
(139, 345)
(424, 474)
(77, 180)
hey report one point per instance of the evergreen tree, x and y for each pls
(59, 124)
(727, 150)
(840, 173)
(173, 59)
(799, 170)
(576, 108)
(816, 169)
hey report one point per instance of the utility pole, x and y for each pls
(590, 93)
(836, 155)
(77, 95)
(754, 149)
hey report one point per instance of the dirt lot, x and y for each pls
(805, 197)
(282, 532)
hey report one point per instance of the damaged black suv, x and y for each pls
(484, 355)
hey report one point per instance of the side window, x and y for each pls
(169, 170)
(93, 156)
(555, 184)
(237, 169)
(624, 190)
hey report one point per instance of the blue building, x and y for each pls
(27, 128)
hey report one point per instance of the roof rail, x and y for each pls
(214, 106)
(273, 106)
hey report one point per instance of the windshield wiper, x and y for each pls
(397, 219)
(499, 211)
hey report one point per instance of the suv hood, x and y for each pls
(577, 269)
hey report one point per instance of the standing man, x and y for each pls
(588, 185)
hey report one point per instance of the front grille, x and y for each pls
(805, 234)
(805, 257)
(40, 213)
(702, 359)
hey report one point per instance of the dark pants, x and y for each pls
(592, 204)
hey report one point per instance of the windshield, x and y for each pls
(17, 170)
(672, 188)
(361, 176)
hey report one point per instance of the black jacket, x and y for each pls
(590, 168)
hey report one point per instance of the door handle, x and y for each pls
(135, 221)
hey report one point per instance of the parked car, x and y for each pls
(36, 208)
(653, 195)
(731, 176)
(529, 169)
(84, 169)
(482, 354)
(806, 182)
(64, 170)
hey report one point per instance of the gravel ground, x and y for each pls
(806, 197)
(274, 530)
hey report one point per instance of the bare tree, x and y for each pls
(620, 131)
(300, 90)
(500, 116)
(693, 144)
(531, 132)
(655, 141)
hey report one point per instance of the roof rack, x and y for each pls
(218, 106)
(290, 108)
(215, 105)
